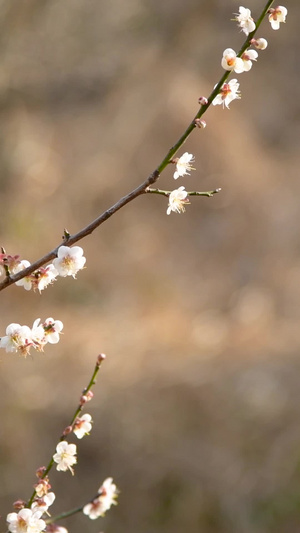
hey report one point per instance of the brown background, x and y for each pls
(196, 411)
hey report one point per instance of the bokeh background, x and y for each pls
(196, 410)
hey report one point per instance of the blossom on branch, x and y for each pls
(25, 521)
(65, 456)
(42, 504)
(52, 329)
(247, 57)
(83, 426)
(246, 22)
(69, 260)
(230, 61)
(228, 92)
(17, 339)
(24, 282)
(108, 494)
(276, 16)
(183, 165)
(177, 200)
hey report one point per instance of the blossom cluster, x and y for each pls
(30, 520)
(67, 263)
(21, 338)
(233, 63)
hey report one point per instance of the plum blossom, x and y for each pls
(228, 92)
(44, 277)
(38, 335)
(25, 521)
(230, 61)
(42, 487)
(65, 456)
(248, 57)
(24, 282)
(69, 261)
(17, 339)
(183, 165)
(43, 504)
(177, 200)
(260, 43)
(83, 426)
(39, 279)
(108, 494)
(246, 22)
(11, 262)
(21, 338)
(276, 16)
(52, 329)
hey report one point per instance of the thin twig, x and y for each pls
(92, 382)
(189, 193)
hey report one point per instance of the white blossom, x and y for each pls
(45, 276)
(38, 335)
(276, 16)
(83, 426)
(230, 61)
(52, 329)
(228, 92)
(43, 504)
(25, 521)
(65, 456)
(108, 493)
(183, 165)
(18, 338)
(24, 282)
(177, 200)
(69, 261)
(246, 22)
(247, 58)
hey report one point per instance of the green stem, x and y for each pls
(60, 516)
(190, 193)
(92, 382)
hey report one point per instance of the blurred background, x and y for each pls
(196, 410)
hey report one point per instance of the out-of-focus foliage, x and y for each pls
(196, 413)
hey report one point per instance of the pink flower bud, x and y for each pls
(202, 100)
(19, 504)
(260, 44)
(67, 430)
(200, 123)
(40, 472)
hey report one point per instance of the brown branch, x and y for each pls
(72, 239)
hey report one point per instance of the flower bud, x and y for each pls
(19, 504)
(260, 44)
(202, 100)
(200, 123)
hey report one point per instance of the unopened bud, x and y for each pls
(100, 358)
(67, 430)
(40, 472)
(260, 44)
(202, 100)
(200, 123)
(86, 398)
(19, 504)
